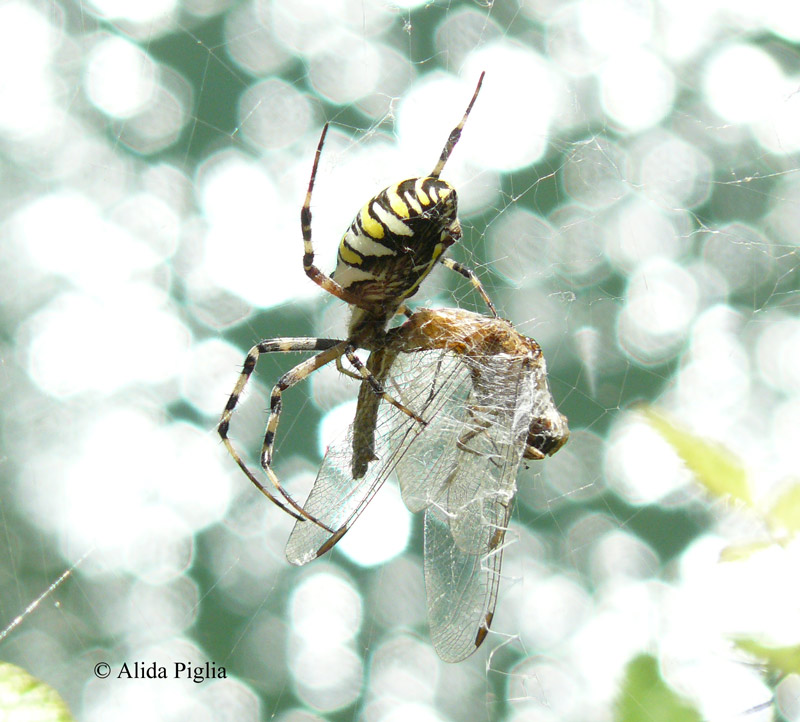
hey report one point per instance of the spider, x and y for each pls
(390, 247)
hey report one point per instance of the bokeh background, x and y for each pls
(630, 196)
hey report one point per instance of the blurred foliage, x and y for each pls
(779, 660)
(24, 698)
(722, 474)
(645, 697)
(784, 513)
(718, 470)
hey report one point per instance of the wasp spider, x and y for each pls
(391, 246)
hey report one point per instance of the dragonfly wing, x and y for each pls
(442, 384)
(490, 447)
(354, 468)
(465, 526)
(461, 587)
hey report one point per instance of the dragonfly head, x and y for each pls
(547, 434)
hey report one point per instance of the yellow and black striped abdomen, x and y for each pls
(395, 239)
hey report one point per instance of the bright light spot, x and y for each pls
(638, 90)
(661, 302)
(159, 124)
(783, 19)
(715, 379)
(307, 26)
(266, 631)
(142, 11)
(249, 39)
(233, 189)
(615, 26)
(232, 699)
(783, 216)
(26, 37)
(155, 221)
(521, 244)
(464, 22)
(741, 254)
(777, 351)
(170, 608)
(325, 610)
(395, 610)
(247, 247)
(200, 490)
(510, 128)
(780, 132)
(69, 335)
(637, 231)
(785, 427)
(743, 84)
(402, 711)
(127, 468)
(327, 678)
(273, 114)
(752, 598)
(164, 549)
(66, 233)
(640, 465)
(551, 612)
(27, 44)
(381, 532)
(347, 69)
(620, 557)
(544, 689)
(212, 306)
(626, 621)
(404, 668)
(407, 4)
(787, 697)
(579, 256)
(588, 343)
(120, 77)
(594, 173)
(335, 423)
(326, 614)
(209, 373)
(566, 44)
(675, 174)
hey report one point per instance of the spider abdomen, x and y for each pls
(395, 239)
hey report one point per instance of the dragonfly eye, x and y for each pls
(547, 435)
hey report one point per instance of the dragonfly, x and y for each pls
(482, 389)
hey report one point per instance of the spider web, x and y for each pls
(629, 192)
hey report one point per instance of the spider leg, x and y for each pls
(455, 134)
(331, 349)
(289, 379)
(469, 274)
(347, 372)
(369, 377)
(312, 271)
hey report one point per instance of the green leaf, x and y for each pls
(740, 552)
(716, 468)
(785, 512)
(783, 660)
(645, 697)
(24, 698)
